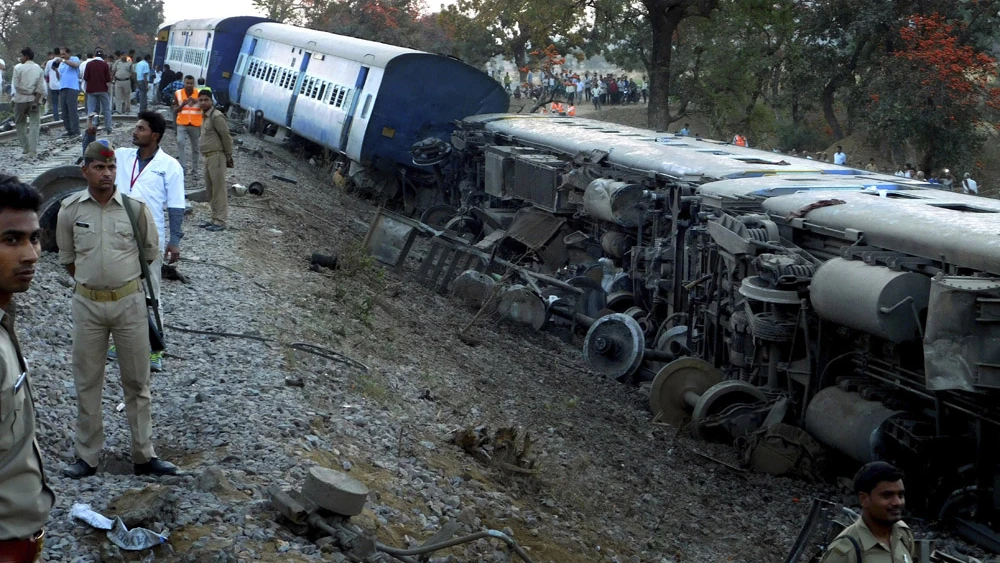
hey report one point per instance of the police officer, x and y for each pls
(879, 535)
(217, 148)
(98, 247)
(25, 499)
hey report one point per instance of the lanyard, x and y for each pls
(135, 164)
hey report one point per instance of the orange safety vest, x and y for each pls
(740, 141)
(556, 107)
(571, 111)
(188, 115)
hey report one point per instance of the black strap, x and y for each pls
(140, 242)
(857, 548)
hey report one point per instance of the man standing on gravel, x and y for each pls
(29, 89)
(25, 499)
(122, 73)
(188, 117)
(96, 77)
(217, 148)
(154, 177)
(879, 535)
(69, 91)
(97, 244)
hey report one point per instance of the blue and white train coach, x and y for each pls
(205, 48)
(367, 100)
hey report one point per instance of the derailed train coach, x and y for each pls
(367, 101)
(747, 288)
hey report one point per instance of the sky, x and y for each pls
(174, 10)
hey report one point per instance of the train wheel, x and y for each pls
(677, 387)
(466, 227)
(437, 216)
(732, 401)
(614, 346)
(55, 185)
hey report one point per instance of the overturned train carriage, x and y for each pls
(751, 288)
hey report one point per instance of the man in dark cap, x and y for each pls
(879, 535)
(97, 244)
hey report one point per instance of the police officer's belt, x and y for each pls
(23, 550)
(109, 294)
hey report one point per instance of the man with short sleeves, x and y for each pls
(121, 71)
(840, 157)
(879, 535)
(25, 499)
(217, 148)
(97, 245)
(69, 91)
(29, 91)
(152, 176)
(97, 76)
(970, 186)
(142, 82)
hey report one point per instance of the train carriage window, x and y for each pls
(240, 63)
(272, 73)
(306, 87)
(321, 94)
(292, 77)
(341, 96)
(334, 90)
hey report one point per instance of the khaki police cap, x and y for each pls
(101, 151)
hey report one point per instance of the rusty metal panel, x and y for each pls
(533, 228)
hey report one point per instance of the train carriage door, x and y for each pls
(359, 86)
(243, 73)
(295, 89)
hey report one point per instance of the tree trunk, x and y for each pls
(658, 110)
(520, 51)
(828, 113)
(665, 16)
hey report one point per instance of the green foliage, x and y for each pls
(81, 25)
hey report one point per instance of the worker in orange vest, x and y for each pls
(557, 108)
(739, 140)
(187, 116)
(571, 111)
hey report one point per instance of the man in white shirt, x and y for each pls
(151, 175)
(52, 75)
(83, 83)
(839, 157)
(970, 186)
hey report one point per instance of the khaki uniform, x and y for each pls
(25, 499)
(872, 551)
(217, 148)
(121, 73)
(108, 300)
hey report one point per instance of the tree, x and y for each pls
(938, 92)
(664, 16)
(514, 27)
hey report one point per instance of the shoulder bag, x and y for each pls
(156, 343)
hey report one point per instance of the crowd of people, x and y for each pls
(104, 83)
(574, 89)
(117, 271)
